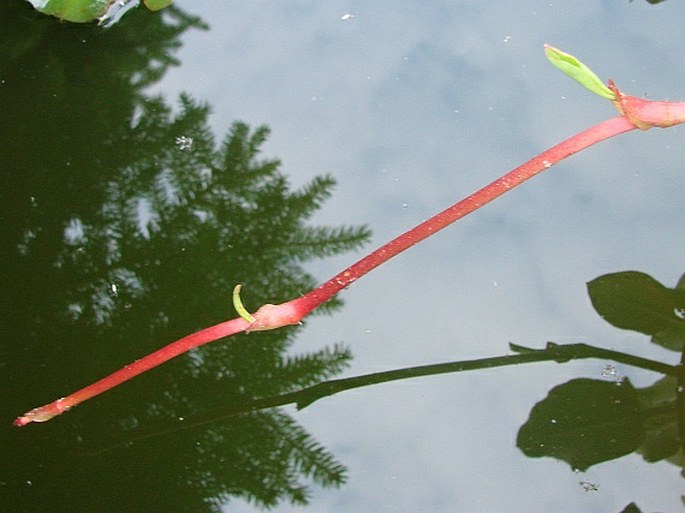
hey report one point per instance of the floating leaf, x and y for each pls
(77, 11)
(84, 11)
(578, 72)
(156, 5)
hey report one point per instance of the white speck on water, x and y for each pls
(506, 39)
(679, 312)
(347, 16)
(547, 164)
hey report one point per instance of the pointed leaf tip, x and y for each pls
(578, 71)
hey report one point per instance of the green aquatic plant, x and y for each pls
(84, 11)
(634, 113)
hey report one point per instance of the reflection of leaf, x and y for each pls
(661, 424)
(584, 422)
(635, 301)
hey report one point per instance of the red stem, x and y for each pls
(180, 346)
(513, 178)
(634, 113)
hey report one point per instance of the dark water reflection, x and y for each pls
(126, 225)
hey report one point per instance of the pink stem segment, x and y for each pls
(636, 113)
(180, 346)
(513, 178)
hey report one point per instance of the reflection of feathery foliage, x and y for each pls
(271, 454)
(180, 223)
(310, 459)
(306, 370)
(139, 224)
(228, 202)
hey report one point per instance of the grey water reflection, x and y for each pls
(125, 226)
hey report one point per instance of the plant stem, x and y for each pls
(513, 178)
(306, 396)
(180, 346)
(275, 316)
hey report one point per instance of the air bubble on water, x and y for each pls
(347, 16)
(183, 142)
(404, 205)
(609, 371)
(588, 486)
(506, 39)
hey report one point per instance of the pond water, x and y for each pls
(138, 188)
